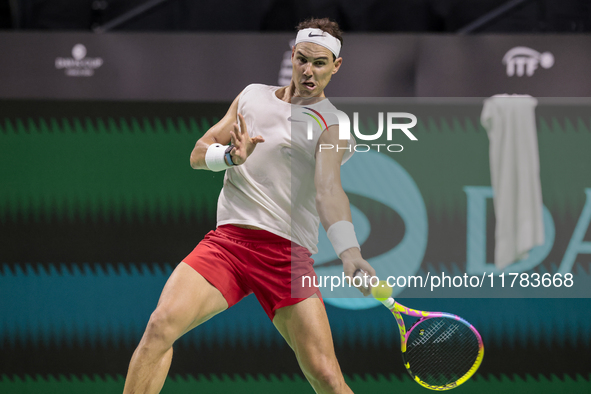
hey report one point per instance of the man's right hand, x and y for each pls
(352, 262)
(243, 144)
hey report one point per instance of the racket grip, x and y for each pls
(359, 273)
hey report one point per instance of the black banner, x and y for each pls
(215, 67)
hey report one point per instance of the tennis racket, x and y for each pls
(440, 351)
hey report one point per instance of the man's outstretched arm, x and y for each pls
(333, 206)
(226, 131)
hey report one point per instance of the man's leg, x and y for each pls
(186, 301)
(305, 328)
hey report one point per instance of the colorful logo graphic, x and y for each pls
(317, 121)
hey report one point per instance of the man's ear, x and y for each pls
(337, 65)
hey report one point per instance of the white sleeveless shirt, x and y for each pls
(274, 189)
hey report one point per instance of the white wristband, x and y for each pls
(342, 236)
(214, 157)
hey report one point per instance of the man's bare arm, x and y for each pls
(332, 202)
(224, 132)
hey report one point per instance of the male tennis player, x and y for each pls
(267, 226)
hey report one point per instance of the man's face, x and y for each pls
(312, 69)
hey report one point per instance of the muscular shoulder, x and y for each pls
(257, 88)
(256, 97)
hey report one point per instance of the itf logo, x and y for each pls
(524, 60)
(345, 129)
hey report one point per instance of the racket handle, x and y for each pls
(359, 273)
(388, 303)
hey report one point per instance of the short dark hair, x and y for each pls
(324, 24)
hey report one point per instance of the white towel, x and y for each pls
(515, 176)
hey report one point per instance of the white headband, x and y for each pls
(319, 37)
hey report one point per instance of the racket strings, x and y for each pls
(441, 350)
(435, 369)
(439, 372)
(428, 333)
(448, 356)
(447, 334)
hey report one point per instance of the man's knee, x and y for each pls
(327, 375)
(162, 329)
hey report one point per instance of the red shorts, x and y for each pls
(239, 261)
